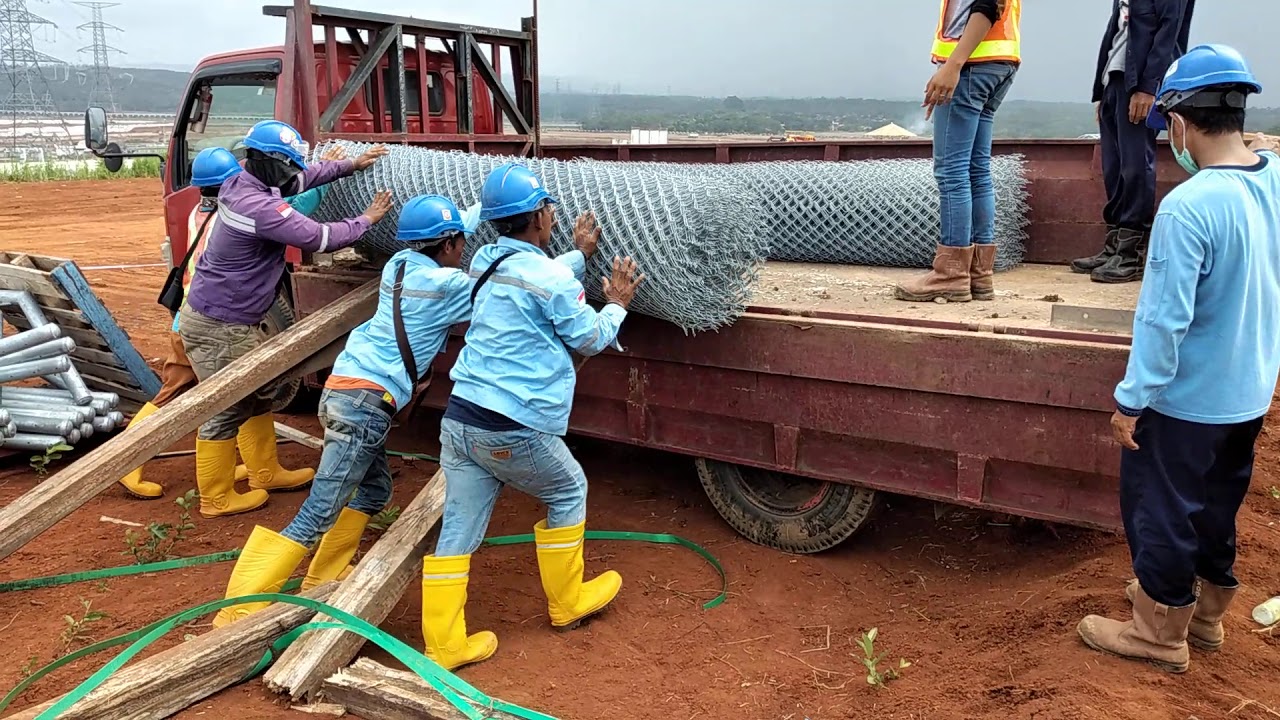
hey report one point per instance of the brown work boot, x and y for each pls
(1206, 630)
(1157, 634)
(982, 284)
(1110, 246)
(948, 280)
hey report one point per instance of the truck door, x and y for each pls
(223, 101)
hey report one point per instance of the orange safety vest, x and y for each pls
(1003, 42)
(194, 221)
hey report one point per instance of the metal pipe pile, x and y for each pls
(700, 231)
(38, 418)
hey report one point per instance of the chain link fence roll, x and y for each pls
(699, 231)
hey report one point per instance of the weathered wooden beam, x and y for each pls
(376, 692)
(185, 674)
(55, 498)
(370, 593)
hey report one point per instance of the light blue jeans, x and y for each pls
(962, 132)
(478, 463)
(354, 459)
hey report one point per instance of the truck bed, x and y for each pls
(1025, 296)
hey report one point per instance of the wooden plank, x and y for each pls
(370, 593)
(183, 675)
(376, 692)
(109, 374)
(55, 498)
(98, 357)
(297, 436)
(68, 276)
(1091, 319)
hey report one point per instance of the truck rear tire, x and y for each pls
(280, 318)
(786, 512)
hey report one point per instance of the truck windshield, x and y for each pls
(224, 110)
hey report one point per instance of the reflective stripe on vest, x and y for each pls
(1003, 42)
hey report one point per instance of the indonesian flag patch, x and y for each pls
(285, 209)
(582, 297)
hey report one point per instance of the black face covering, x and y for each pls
(272, 172)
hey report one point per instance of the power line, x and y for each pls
(100, 93)
(23, 89)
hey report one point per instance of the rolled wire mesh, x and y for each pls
(701, 231)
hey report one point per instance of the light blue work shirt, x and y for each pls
(1206, 334)
(433, 300)
(527, 317)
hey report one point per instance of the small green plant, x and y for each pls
(40, 463)
(1274, 492)
(157, 542)
(90, 169)
(77, 629)
(29, 668)
(383, 520)
(875, 677)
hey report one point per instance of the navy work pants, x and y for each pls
(1128, 162)
(1179, 495)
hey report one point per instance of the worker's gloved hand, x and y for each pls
(380, 206)
(586, 234)
(370, 156)
(620, 289)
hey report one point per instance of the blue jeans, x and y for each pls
(356, 424)
(962, 131)
(478, 463)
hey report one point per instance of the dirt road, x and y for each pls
(985, 612)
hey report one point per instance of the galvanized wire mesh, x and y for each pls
(700, 231)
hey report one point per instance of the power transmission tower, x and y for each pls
(100, 93)
(23, 87)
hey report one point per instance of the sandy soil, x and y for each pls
(984, 611)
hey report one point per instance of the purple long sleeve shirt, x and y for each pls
(237, 274)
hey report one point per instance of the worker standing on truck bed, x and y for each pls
(422, 295)
(505, 421)
(234, 287)
(977, 49)
(211, 167)
(1202, 368)
(1142, 40)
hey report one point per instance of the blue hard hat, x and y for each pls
(511, 189)
(213, 166)
(1202, 67)
(279, 140)
(432, 217)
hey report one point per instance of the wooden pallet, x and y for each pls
(104, 355)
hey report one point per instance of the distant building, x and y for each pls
(892, 130)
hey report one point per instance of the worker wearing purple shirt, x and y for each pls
(234, 286)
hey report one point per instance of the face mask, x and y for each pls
(1183, 156)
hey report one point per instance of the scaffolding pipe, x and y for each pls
(52, 348)
(66, 412)
(70, 377)
(35, 368)
(29, 339)
(82, 414)
(33, 442)
(108, 400)
(103, 424)
(86, 430)
(44, 426)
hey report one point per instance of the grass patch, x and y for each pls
(91, 169)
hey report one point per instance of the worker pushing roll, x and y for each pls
(210, 169)
(1202, 367)
(504, 424)
(422, 295)
(977, 49)
(235, 285)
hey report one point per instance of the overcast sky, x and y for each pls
(849, 48)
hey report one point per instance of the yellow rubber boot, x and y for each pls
(257, 439)
(333, 555)
(133, 482)
(264, 565)
(569, 599)
(444, 622)
(215, 476)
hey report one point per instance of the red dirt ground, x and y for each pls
(986, 613)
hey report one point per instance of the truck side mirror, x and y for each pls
(95, 129)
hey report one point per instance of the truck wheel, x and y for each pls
(786, 512)
(280, 318)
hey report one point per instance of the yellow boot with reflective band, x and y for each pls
(264, 565)
(444, 623)
(215, 468)
(133, 482)
(569, 599)
(257, 439)
(333, 555)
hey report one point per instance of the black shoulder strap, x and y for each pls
(397, 319)
(484, 277)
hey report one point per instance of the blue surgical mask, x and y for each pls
(1183, 156)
